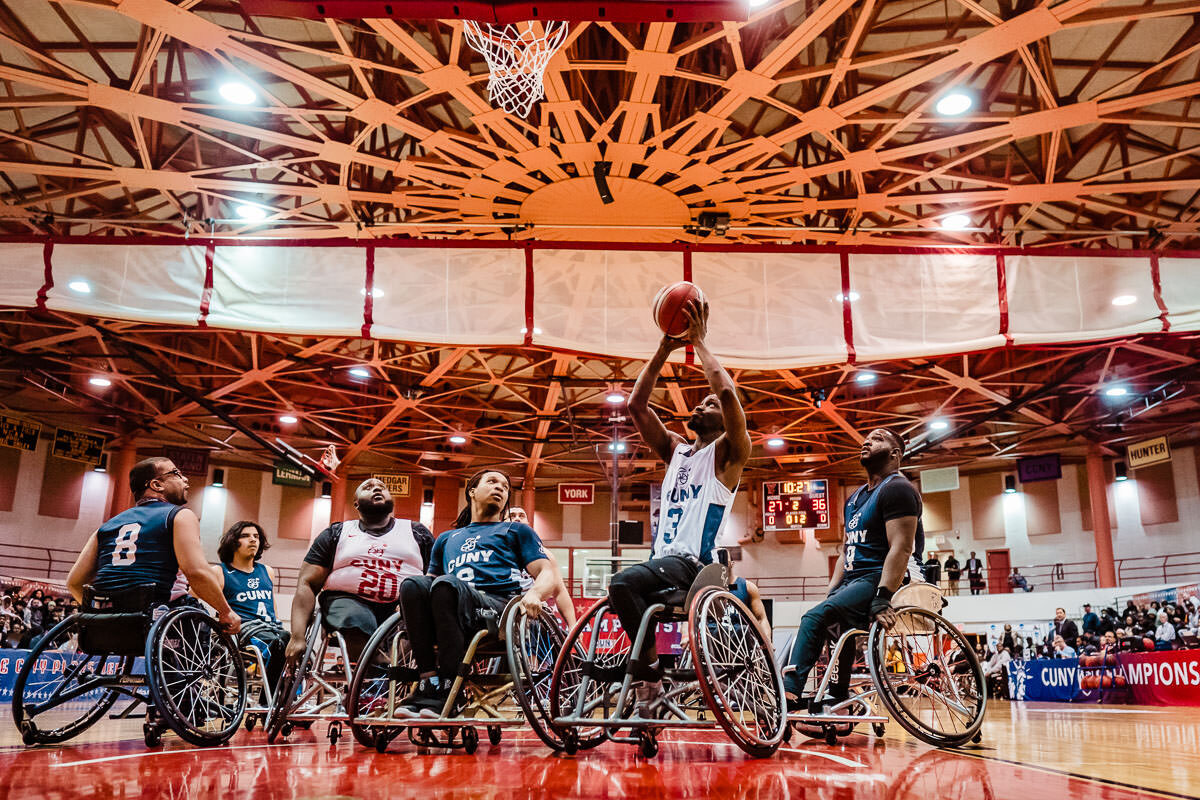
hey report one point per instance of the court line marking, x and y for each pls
(1090, 711)
(1091, 778)
(190, 751)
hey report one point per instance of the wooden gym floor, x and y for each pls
(1029, 751)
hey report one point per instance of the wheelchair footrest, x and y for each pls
(840, 719)
(635, 722)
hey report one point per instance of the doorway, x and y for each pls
(998, 568)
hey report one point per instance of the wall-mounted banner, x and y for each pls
(190, 460)
(576, 494)
(19, 433)
(288, 474)
(1150, 451)
(1039, 468)
(398, 485)
(78, 446)
(1049, 680)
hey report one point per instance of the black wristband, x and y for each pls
(884, 593)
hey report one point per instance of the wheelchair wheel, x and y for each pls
(196, 677)
(612, 656)
(533, 646)
(737, 673)
(53, 706)
(386, 672)
(941, 696)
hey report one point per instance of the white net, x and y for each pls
(517, 55)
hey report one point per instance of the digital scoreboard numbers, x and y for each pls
(789, 505)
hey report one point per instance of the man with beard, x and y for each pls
(701, 479)
(883, 532)
(356, 567)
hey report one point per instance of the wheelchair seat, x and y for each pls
(116, 623)
(678, 600)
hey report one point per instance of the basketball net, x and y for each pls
(517, 55)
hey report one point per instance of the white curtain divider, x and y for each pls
(923, 304)
(449, 295)
(769, 309)
(147, 283)
(1065, 298)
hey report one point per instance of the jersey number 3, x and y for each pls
(125, 547)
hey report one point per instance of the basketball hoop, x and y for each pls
(517, 55)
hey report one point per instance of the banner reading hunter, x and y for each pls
(1169, 678)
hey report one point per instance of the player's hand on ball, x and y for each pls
(531, 604)
(697, 314)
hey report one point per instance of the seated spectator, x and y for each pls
(17, 637)
(1062, 649)
(1164, 634)
(1017, 581)
(1108, 640)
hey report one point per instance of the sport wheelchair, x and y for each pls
(503, 682)
(193, 681)
(259, 691)
(726, 677)
(314, 688)
(922, 672)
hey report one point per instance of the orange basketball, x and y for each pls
(669, 304)
(1089, 661)
(1110, 660)
(1106, 681)
(1147, 643)
(1119, 680)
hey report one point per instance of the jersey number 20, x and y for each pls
(125, 547)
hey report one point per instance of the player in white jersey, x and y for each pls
(701, 479)
(356, 567)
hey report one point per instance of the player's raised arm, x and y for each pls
(733, 448)
(651, 428)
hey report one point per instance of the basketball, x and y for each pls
(669, 304)
(1119, 680)
(1147, 643)
(1110, 660)
(1106, 681)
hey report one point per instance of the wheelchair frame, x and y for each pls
(690, 694)
(315, 694)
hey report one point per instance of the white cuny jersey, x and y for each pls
(372, 567)
(694, 505)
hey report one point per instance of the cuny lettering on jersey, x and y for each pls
(372, 567)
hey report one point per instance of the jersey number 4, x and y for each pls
(125, 547)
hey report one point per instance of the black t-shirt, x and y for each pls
(321, 551)
(867, 513)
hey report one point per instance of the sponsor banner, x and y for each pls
(19, 433)
(1046, 680)
(668, 638)
(576, 494)
(288, 474)
(49, 664)
(1174, 594)
(397, 484)
(190, 460)
(1167, 678)
(1150, 451)
(27, 586)
(78, 446)
(1039, 468)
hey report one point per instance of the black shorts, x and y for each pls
(343, 611)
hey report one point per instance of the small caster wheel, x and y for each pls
(470, 740)
(494, 734)
(978, 737)
(878, 728)
(570, 745)
(787, 734)
(381, 744)
(335, 733)
(250, 723)
(648, 744)
(27, 734)
(151, 735)
(830, 736)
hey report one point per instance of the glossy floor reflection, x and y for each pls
(1029, 751)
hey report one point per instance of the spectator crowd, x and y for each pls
(25, 618)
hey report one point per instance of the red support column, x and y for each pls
(119, 464)
(1101, 525)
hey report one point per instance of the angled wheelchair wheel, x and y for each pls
(736, 672)
(532, 647)
(941, 696)
(385, 677)
(606, 673)
(196, 677)
(288, 687)
(53, 705)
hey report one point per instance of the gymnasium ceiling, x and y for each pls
(543, 415)
(812, 121)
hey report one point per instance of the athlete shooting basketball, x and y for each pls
(701, 479)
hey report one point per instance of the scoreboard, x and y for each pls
(788, 505)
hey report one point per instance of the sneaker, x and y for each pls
(416, 703)
(648, 694)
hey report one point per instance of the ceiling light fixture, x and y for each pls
(955, 222)
(288, 419)
(458, 439)
(238, 93)
(616, 447)
(1124, 300)
(954, 104)
(939, 425)
(865, 377)
(360, 372)
(1116, 391)
(99, 380)
(615, 398)
(80, 287)
(774, 441)
(250, 213)
(1120, 471)
(1010, 484)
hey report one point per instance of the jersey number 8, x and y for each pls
(125, 547)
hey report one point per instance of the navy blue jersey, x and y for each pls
(867, 513)
(137, 547)
(738, 589)
(488, 555)
(251, 595)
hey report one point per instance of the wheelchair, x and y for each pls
(502, 682)
(314, 688)
(933, 686)
(193, 681)
(726, 678)
(260, 697)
